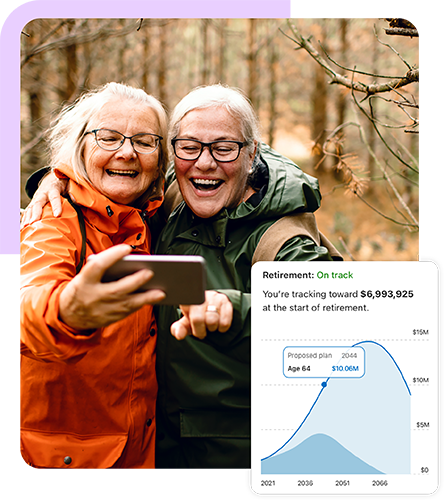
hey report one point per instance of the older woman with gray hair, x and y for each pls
(224, 191)
(88, 382)
(234, 188)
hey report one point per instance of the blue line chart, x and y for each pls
(296, 431)
(365, 422)
(393, 359)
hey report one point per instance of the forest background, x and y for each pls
(337, 96)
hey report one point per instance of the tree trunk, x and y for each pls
(222, 47)
(161, 73)
(371, 133)
(341, 103)
(252, 64)
(70, 90)
(36, 94)
(205, 72)
(319, 116)
(273, 65)
(342, 98)
(146, 45)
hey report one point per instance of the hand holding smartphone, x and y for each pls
(181, 277)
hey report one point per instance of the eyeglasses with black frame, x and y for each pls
(221, 151)
(111, 140)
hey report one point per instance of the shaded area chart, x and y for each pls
(355, 426)
(322, 454)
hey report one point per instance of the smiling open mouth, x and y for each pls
(122, 173)
(206, 184)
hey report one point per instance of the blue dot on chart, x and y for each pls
(324, 384)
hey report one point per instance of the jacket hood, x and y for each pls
(102, 212)
(289, 189)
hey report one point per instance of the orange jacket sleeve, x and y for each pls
(49, 249)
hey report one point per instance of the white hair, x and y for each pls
(67, 136)
(218, 95)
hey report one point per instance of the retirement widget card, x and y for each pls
(345, 378)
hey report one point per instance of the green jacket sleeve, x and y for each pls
(302, 249)
(296, 249)
(236, 341)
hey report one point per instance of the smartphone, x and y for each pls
(181, 277)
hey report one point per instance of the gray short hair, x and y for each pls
(66, 138)
(232, 99)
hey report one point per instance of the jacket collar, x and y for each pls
(105, 215)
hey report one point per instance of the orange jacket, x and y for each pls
(86, 401)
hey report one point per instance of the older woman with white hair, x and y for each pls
(234, 188)
(88, 382)
(224, 191)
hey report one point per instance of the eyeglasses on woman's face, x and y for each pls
(221, 151)
(111, 140)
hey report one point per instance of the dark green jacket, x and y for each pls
(203, 411)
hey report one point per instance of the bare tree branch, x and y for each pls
(411, 76)
(355, 70)
(49, 34)
(387, 177)
(414, 226)
(354, 184)
(79, 37)
(347, 250)
(392, 49)
(32, 143)
(401, 32)
(380, 135)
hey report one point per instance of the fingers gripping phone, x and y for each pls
(181, 277)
